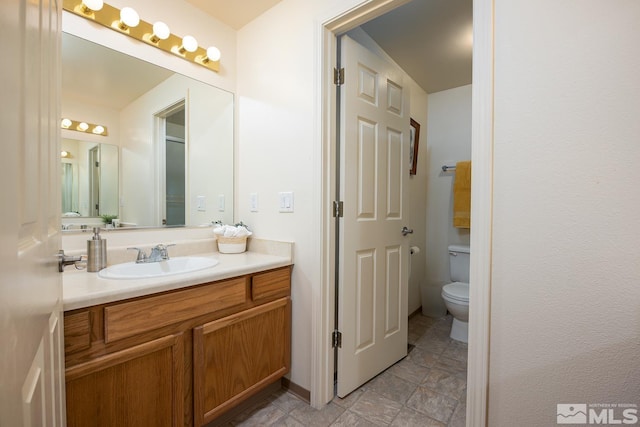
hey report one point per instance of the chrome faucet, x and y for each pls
(158, 253)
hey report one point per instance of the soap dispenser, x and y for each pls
(96, 252)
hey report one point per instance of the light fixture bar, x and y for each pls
(143, 32)
(83, 127)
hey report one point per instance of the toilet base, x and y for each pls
(459, 330)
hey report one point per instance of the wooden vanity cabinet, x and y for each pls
(177, 358)
(139, 386)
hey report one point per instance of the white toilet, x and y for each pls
(456, 294)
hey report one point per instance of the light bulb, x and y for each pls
(98, 130)
(160, 32)
(92, 5)
(213, 53)
(66, 123)
(129, 18)
(189, 43)
(64, 154)
(83, 126)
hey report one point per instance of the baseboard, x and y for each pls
(415, 313)
(297, 390)
(256, 399)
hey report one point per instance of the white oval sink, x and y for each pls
(179, 265)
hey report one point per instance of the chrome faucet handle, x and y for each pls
(161, 250)
(142, 256)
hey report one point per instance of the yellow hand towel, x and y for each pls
(462, 195)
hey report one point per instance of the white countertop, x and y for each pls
(82, 289)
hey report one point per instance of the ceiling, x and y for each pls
(234, 13)
(430, 39)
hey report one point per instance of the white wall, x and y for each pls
(280, 145)
(448, 140)
(565, 294)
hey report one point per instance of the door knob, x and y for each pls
(406, 230)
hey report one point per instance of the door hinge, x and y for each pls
(338, 76)
(338, 209)
(336, 339)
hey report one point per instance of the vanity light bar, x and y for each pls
(111, 17)
(83, 127)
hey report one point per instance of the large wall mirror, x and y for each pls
(169, 142)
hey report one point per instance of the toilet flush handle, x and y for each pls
(406, 230)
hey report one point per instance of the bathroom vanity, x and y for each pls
(175, 351)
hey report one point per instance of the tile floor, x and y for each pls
(427, 388)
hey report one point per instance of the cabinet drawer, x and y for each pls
(77, 332)
(131, 318)
(271, 285)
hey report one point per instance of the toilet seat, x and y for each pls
(456, 292)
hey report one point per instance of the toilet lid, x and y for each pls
(457, 290)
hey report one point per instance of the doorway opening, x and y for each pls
(171, 149)
(482, 99)
(94, 181)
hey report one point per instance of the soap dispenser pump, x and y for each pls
(96, 252)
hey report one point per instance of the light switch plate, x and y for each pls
(285, 201)
(201, 203)
(253, 202)
(220, 202)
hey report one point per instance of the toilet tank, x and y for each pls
(459, 263)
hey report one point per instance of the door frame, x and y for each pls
(323, 308)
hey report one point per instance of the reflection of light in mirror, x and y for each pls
(69, 124)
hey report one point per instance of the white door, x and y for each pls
(31, 355)
(374, 154)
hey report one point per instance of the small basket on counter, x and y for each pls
(231, 239)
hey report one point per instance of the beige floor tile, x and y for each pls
(392, 387)
(446, 383)
(408, 370)
(376, 408)
(317, 418)
(350, 419)
(409, 417)
(433, 404)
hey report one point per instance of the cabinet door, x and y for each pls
(236, 356)
(139, 386)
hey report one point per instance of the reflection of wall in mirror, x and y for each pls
(209, 121)
(76, 188)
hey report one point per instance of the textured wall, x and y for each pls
(565, 294)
